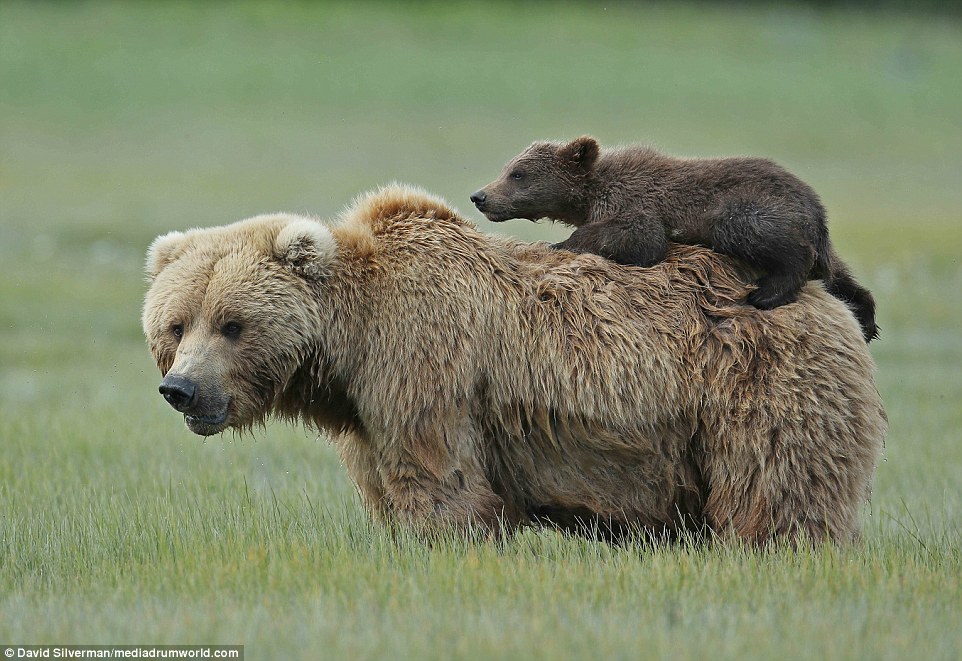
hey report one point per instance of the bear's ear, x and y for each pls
(162, 252)
(307, 247)
(581, 152)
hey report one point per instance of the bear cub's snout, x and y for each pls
(478, 198)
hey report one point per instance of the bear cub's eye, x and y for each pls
(231, 330)
(517, 174)
(177, 330)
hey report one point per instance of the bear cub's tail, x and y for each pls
(842, 285)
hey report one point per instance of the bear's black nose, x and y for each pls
(478, 198)
(178, 391)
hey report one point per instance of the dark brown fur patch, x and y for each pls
(628, 204)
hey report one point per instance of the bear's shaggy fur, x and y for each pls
(628, 203)
(473, 382)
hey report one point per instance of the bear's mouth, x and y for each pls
(207, 425)
(496, 216)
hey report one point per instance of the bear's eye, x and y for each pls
(231, 330)
(516, 174)
(177, 330)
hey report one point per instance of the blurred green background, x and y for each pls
(122, 121)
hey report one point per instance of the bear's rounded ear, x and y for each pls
(307, 247)
(582, 152)
(162, 252)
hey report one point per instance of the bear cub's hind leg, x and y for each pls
(780, 245)
(776, 289)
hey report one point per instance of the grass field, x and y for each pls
(120, 122)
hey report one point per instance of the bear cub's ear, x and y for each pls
(582, 152)
(162, 252)
(307, 247)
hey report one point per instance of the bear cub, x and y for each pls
(628, 203)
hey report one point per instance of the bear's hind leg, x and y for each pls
(799, 481)
(774, 242)
(776, 289)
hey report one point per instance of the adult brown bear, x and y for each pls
(476, 382)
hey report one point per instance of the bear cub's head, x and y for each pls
(232, 313)
(546, 180)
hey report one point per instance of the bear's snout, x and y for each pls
(478, 198)
(179, 392)
(493, 208)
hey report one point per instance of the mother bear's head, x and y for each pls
(232, 313)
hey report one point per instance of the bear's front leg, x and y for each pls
(429, 488)
(636, 243)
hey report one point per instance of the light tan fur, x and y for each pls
(476, 382)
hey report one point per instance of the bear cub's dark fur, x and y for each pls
(628, 203)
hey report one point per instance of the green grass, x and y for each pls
(119, 122)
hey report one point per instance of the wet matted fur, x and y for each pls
(470, 381)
